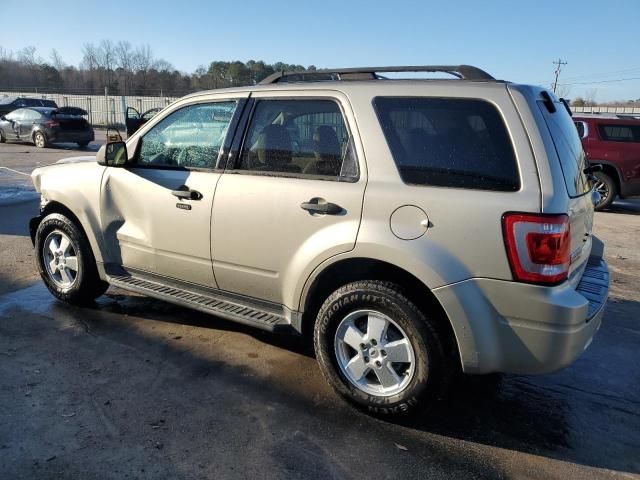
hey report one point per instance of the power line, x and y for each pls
(601, 81)
(559, 64)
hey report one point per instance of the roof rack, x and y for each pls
(463, 72)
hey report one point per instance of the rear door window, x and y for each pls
(568, 147)
(299, 138)
(620, 133)
(449, 142)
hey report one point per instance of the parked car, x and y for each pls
(9, 104)
(612, 141)
(413, 228)
(134, 120)
(43, 126)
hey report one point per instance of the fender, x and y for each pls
(76, 186)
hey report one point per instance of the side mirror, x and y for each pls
(113, 154)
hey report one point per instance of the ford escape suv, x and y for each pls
(413, 228)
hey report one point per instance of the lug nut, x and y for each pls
(373, 342)
(378, 364)
(383, 352)
(363, 346)
(366, 359)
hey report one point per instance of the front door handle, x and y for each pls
(184, 192)
(321, 206)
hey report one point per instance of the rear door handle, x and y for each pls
(321, 206)
(184, 192)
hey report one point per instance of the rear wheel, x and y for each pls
(607, 189)
(65, 261)
(377, 350)
(39, 140)
(83, 144)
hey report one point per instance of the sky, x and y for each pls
(513, 40)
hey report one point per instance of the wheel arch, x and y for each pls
(58, 207)
(350, 270)
(611, 170)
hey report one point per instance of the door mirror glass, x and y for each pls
(113, 154)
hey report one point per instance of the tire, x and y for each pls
(83, 144)
(79, 286)
(418, 382)
(39, 140)
(606, 186)
(2, 139)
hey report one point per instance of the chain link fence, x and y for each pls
(103, 110)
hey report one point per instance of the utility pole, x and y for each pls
(558, 64)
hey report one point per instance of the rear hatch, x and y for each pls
(571, 158)
(71, 122)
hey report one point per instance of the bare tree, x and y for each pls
(143, 62)
(56, 60)
(590, 97)
(124, 61)
(107, 60)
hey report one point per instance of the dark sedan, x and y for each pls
(9, 104)
(43, 126)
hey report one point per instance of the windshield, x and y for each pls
(569, 148)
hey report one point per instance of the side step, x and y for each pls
(215, 304)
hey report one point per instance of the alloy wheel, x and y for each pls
(374, 353)
(60, 259)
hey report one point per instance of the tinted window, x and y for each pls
(304, 137)
(620, 133)
(190, 137)
(48, 103)
(569, 148)
(460, 143)
(31, 115)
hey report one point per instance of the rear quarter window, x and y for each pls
(449, 142)
(568, 147)
(620, 133)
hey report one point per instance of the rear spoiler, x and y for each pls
(70, 111)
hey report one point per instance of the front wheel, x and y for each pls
(607, 189)
(377, 350)
(65, 261)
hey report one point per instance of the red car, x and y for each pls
(612, 141)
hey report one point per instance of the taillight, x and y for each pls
(538, 246)
(51, 124)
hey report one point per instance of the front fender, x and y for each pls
(75, 186)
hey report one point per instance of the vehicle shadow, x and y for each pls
(626, 206)
(582, 415)
(15, 216)
(92, 147)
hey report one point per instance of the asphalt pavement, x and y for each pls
(132, 387)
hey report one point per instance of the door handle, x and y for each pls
(185, 192)
(321, 206)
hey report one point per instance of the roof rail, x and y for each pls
(463, 72)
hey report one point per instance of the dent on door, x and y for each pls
(145, 229)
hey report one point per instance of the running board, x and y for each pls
(215, 304)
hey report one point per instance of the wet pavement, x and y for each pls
(136, 388)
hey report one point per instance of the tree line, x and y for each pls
(124, 69)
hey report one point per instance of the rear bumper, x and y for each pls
(512, 327)
(71, 136)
